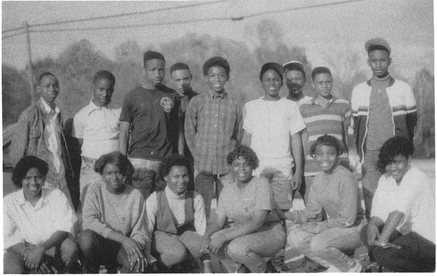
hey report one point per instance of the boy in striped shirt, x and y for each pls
(324, 114)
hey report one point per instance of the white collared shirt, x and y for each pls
(177, 206)
(53, 137)
(36, 224)
(99, 128)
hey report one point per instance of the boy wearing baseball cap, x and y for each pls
(382, 107)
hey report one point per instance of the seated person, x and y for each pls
(114, 220)
(38, 223)
(176, 216)
(401, 232)
(334, 193)
(257, 231)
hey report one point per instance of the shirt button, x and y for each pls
(43, 152)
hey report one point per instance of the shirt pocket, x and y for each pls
(34, 134)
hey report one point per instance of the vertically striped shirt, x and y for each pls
(320, 120)
(213, 127)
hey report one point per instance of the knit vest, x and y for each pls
(165, 218)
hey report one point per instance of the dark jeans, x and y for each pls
(96, 250)
(204, 185)
(416, 254)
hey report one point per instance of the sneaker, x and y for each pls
(332, 269)
(357, 268)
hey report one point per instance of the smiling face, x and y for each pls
(113, 179)
(323, 85)
(379, 61)
(242, 170)
(102, 92)
(177, 179)
(272, 83)
(398, 167)
(181, 80)
(326, 157)
(154, 71)
(216, 79)
(32, 184)
(49, 89)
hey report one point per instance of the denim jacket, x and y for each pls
(29, 138)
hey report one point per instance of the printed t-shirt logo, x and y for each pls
(167, 104)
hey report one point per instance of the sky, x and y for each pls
(335, 30)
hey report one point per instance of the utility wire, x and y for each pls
(116, 15)
(185, 21)
(12, 35)
(11, 30)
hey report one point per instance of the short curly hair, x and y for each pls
(393, 147)
(247, 153)
(326, 140)
(216, 61)
(170, 161)
(115, 158)
(24, 165)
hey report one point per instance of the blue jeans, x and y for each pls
(204, 185)
(87, 177)
(416, 254)
(328, 247)
(250, 249)
(172, 249)
(370, 179)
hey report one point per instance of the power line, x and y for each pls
(115, 15)
(11, 30)
(12, 35)
(189, 21)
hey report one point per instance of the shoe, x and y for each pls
(357, 268)
(332, 269)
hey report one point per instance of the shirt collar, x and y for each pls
(22, 199)
(170, 193)
(213, 94)
(322, 101)
(47, 109)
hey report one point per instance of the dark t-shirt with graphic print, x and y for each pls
(153, 116)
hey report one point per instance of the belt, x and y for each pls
(89, 160)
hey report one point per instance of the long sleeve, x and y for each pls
(11, 233)
(199, 214)
(190, 126)
(238, 130)
(140, 231)
(92, 212)
(411, 112)
(151, 209)
(20, 139)
(313, 210)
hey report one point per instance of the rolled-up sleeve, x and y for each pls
(63, 216)
(11, 233)
(91, 214)
(140, 231)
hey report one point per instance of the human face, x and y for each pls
(102, 92)
(177, 179)
(113, 179)
(49, 89)
(182, 80)
(326, 157)
(154, 71)
(323, 85)
(32, 183)
(295, 81)
(379, 61)
(242, 170)
(272, 83)
(216, 79)
(398, 167)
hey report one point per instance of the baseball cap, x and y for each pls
(294, 64)
(274, 66)
(377, 42)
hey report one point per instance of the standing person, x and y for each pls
(213, 128)
(324, 114)
(294, 74)
(114, 220)
(97, 127)
(149, 123)
(401, 233)
(382, 107)
(176, 217)
(268, 124)
(181, 77)
(334, 193)
(40, 133)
